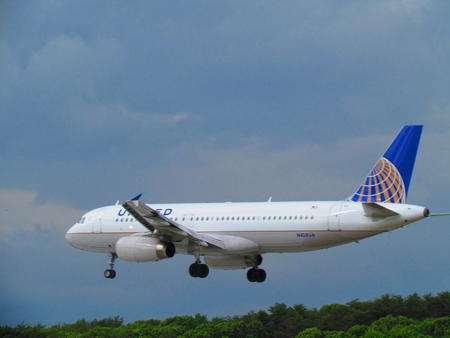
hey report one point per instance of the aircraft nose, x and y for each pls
(69, 237)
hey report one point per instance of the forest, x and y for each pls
(385, 316)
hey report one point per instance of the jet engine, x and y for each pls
(143, 249)
(232, 262)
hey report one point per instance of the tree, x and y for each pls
(336, 317)
(184, 321)
(312, 332)
(255, 329)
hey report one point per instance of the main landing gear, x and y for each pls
(198, 270)
(256, 275)
(111, 273)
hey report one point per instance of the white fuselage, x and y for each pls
(274, 226)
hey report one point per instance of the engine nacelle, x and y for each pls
(143, 249)
(232, 262)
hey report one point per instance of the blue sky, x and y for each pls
(195, 101)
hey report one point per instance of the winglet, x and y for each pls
(136, 198)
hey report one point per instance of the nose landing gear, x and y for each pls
(111, 273)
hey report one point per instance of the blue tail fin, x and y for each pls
(389, 179)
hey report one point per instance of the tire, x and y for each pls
(251, 275)
(205, 271)
(261, 276)
(109, 273)
(195, 270)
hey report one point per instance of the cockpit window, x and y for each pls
(81, 221)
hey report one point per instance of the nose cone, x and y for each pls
(70, 237)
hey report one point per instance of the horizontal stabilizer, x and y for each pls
(377, 211)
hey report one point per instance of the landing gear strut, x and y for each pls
(111, 273)
(198, 270)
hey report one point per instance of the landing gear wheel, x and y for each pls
(195, 270)
(261, 276)
(110, 273)
(256, 275)
(205, 271)
(251, 275)
(198, 270)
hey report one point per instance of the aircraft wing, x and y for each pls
(154, 221)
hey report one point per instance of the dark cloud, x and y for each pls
(199, 101)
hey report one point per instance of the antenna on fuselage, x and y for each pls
(270, 199)
(117, 203)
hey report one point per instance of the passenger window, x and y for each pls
(117, 220)
(264, 218)
(312, 217)
(228, 218)
(306, 217)
(290, 217)
(183, 219)
(268, 218)
(121, 219)
(237, 219)
(202, 218)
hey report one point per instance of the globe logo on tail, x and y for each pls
(384, 184)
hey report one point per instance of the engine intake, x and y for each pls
(143, 249)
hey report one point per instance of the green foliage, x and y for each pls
(312, 332)
(386, 316)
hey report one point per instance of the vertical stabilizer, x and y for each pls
(389, 179)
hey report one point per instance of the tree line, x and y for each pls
(386, 316)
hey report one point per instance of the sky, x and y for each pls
(213, 101)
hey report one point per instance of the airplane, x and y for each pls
(236, 235)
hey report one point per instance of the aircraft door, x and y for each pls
(333, 218)
(191, 221)
(185, 219)
(97, 223)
